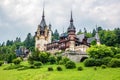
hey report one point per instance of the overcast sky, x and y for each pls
(19, 17)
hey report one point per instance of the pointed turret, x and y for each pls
(43, 22)
(97, 36)
(71, 26)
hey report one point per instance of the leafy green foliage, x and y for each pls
(44, 57)
(65, 60)
(1, 62)
(17, 61)
(80, 68)
(106, 60)
(70, 65)
(100, 51)
(37, 64)
(55, 35)
(50, 69)
(92, 62)
(103, 66)
(52, 59)
(114, 62)
(110, 38)
(117, 56)
(39, 56)
(59, 68)
(29, 42)
(10, 67)
(10, 57)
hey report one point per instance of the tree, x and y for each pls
(107, 37)
(79, 32)
(29, 41)
(93, 32)
(85, 30)
(99, 28)
(56, 35)
(117, 32)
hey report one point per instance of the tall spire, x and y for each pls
(71, 26)
(71, 19)
(43, 15)
(43, 23)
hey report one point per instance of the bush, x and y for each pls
(59, 58)
(50, 69)
(61, 62)
(100, 51)
(44, 57)
(17, 61)
(52, 59)
(103, 66)
(32, 66)
(117, 56)
(65, 59)
(70, 65)
(114, 63)
(106, 60)
(95, 68)
(59, 68)
(13, 67)
(80, 68)
(1, 62)
(92, 62)
(89, 62)
(97, 62)
(37, 64)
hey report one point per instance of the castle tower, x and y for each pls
(50, 34)
(97, 37)
(43, 35)
(71, 34)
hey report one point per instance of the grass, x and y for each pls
(88, 73)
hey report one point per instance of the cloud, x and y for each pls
(18, 17)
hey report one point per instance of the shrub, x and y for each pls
(37, 64)
(103, 66)
(32, 66)
(89, 62)
(80, 68)
(61, 62)
(92, 62)
(114, 63)
(65, 59)
(17, 61)
(59, 58)
(50, 69)
(95, 68)
(44, 57)
(97, 62)
(1, 62)
(13, 67)
(117, 56)
(70, 65)
(52, 59)
(100, 51)
(59, 68)
(106, 60)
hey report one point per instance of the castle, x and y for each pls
(68, 41)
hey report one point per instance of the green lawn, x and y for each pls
(66, 74)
